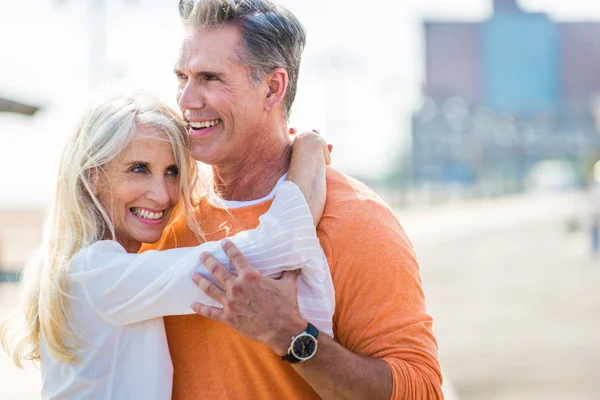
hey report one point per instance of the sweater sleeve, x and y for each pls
(381, 308)
(127, 288)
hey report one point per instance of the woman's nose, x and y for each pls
(158, 192)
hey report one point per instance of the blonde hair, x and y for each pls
(76, 219)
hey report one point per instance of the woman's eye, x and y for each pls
(138, 169)
(172, 171)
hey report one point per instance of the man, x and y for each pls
(237, 73)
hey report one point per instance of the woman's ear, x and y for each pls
(277, 82)
(92, 178)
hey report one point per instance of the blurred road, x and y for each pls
(513, 293)
(15, 384)
(515, 299)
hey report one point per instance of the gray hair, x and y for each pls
(272, 36)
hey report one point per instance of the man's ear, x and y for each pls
(277, 82)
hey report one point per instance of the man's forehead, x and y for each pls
(213, 45)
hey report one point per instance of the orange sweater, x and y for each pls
(380, 306)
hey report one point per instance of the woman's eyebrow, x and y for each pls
(141, 163)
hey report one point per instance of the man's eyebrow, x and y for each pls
(205, 74)
(200, 74)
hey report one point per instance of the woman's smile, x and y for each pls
(140, 187)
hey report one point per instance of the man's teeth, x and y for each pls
(147, 214)
(204, 124)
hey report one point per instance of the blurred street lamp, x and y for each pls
(97, 39)
(16, 107)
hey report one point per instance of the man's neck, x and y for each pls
(255, 174)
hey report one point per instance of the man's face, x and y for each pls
(223, 109)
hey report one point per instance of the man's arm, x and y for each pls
(386, 357)
(334, 372)
(337, 373)
(380, 314)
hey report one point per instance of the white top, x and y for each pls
(119, 299)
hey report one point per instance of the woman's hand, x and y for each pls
(310, 155)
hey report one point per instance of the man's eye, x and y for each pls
(211, 77)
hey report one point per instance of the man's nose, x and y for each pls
(190, 96)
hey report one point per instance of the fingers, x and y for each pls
(327, 154)
(290, 275)
(212, 290)
(289, 279)
(310, 141)
(216, 269)
(237, 259)
(208, 311)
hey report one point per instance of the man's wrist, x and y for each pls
(281, 341)
(303, 346)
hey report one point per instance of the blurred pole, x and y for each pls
(595, 234)
(96, 40)
(97, 44)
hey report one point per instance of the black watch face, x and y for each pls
(304, 346)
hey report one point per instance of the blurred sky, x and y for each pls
(360, 76)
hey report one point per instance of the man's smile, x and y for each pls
(204, 124)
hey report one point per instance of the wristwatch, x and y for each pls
(303, 346)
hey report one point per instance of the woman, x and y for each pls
(93, 306)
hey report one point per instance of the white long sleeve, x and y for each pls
(127, 288)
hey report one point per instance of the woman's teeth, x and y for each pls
(204, 124)
(147, 214)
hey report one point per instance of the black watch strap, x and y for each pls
(290, 358)
(311, 330)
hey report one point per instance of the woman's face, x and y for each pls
(139, 188)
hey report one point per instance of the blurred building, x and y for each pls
(504, 94)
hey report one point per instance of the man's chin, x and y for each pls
(207, 155)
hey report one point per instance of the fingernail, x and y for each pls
(292, 131)
(203, 256)
(195, 275)
(316, 131)
(330, 147)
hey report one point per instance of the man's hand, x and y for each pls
(260, 308)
